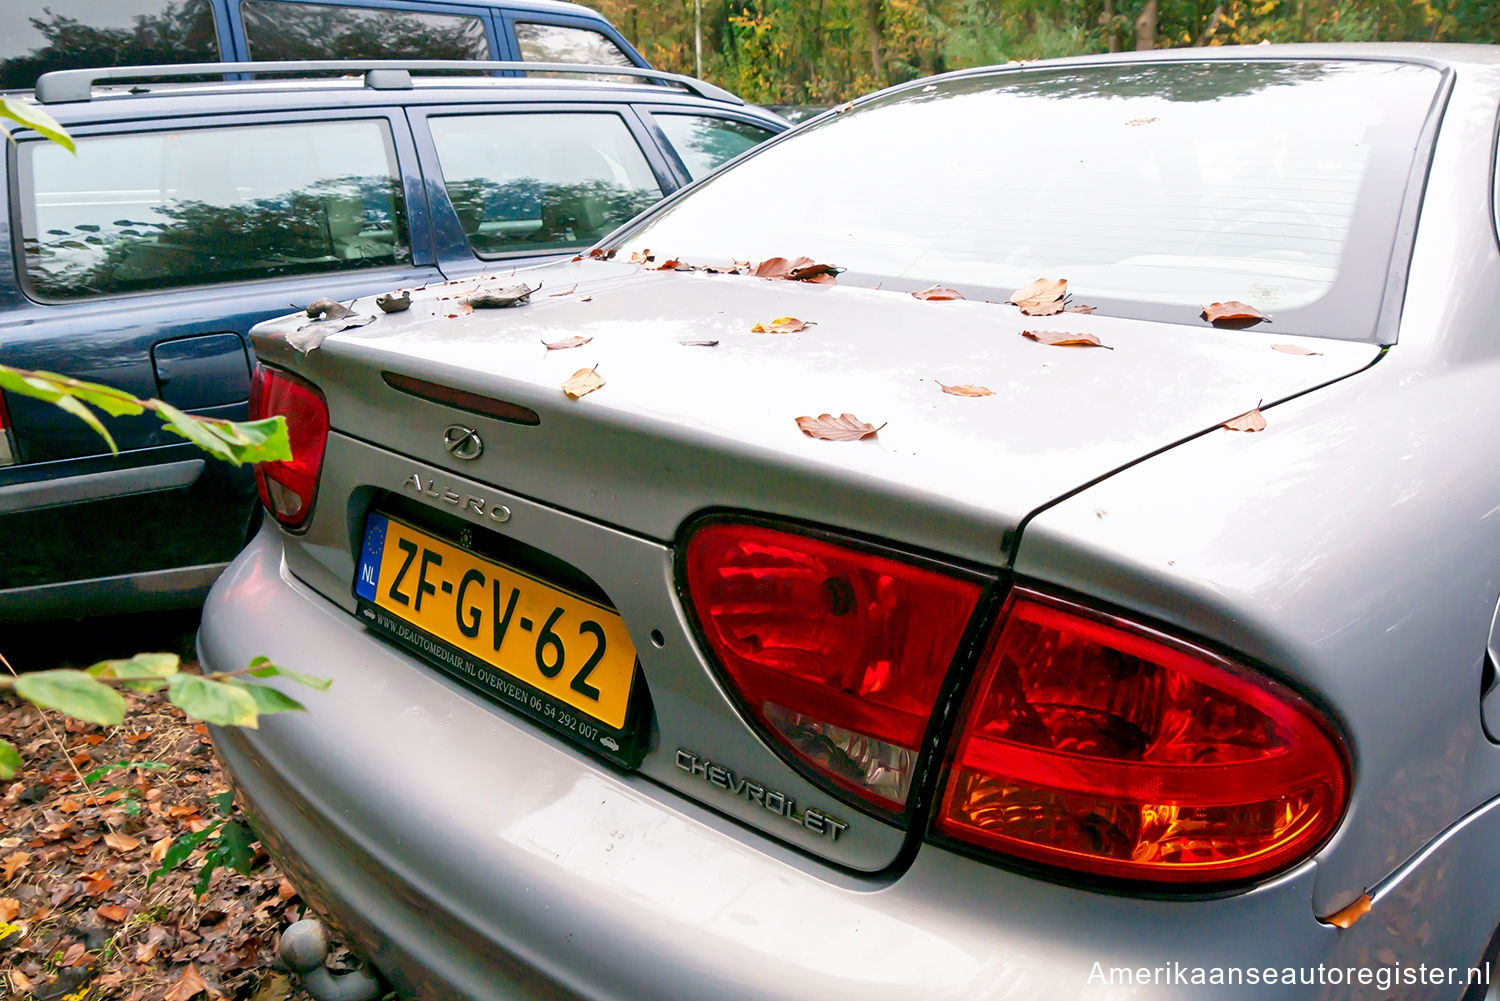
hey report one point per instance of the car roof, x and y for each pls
(74, 96)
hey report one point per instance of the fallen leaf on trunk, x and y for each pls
(967, 390)
(782, 325)
(642, 257)
(1250, 420)
(499, 297)
(1080, 309)
(114, 912)
(937, 293)
(845, 427)
(582, 383)
(571, 342)
(394, 302)
(190, 983)
(1141, 121)
(839, 109)
(1043, 297)
(1293, 349)
(327, 309)
(1064, 339)
(1346, 917)
(700, 344)
(566, 291)
(463, 310)
(803, 269)
(1229, 312)
(121, 842)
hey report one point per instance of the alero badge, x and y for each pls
(462, 442)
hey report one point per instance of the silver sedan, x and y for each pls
(1030, 533)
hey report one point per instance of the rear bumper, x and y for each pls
(468, 854)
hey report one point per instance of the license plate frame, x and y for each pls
(495, 675)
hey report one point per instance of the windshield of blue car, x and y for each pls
(1153, 188)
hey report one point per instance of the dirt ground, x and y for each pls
(85, 826)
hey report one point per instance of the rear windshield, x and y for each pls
(1154, 189)
(36, 38)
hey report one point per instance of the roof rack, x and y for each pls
(62, 86)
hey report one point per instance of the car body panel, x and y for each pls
(668, 406)
(569, 880)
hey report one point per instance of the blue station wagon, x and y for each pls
(194, 210)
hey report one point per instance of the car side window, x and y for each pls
(67, 34)
(154, 210)
(276, 29)
(702, 142)
(556, 43)
(528, 183)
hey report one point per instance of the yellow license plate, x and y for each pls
(572, 649)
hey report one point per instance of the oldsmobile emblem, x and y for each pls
(462, 442)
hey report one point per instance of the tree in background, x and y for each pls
(825, 51)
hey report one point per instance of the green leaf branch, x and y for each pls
(32, 117)
(236, 442)
(92, 695)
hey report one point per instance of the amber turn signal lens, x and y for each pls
(1103, 747)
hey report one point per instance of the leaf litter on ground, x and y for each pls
(75, 860)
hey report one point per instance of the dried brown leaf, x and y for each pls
(327, 309)
(845, 427)
(14, 863)
(839, 109)
(582, 383)
(1141, 121)
(190, 983)
(69, 805)
(772, 267)
(803, 269)
(566, 291)
(1064, 339)
(9, 908)
(571, 342)
(1250, 420)
(700, 344)
(1293, 349)
(500, 297)
(782, 325)
(121, 842)
(159, 848)
(75, 955)
(1232, 311)
(394, 302)
(463, 310)
(641, 257)
(96, 884)
(113, 912)
(937, 293)
(1042, 297)
(967, 390)
(1346, 917)
(1085, 310)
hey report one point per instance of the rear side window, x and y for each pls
(275, 29)
(554, 43)
(68, 34)
(194, 207)
(527, 183)
(703, 142)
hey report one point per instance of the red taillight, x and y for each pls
(288, 489)
(837, 652)
(1106, 748)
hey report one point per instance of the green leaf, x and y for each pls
(235, 442)
(10, 760)
(75, 693)
(152, 665)
(181, 849)
(234, 846)
(224, 801)
(33, 117)
(211, 701)
(270, 700)
(261, 667)
(99, 773)
(86, 415)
